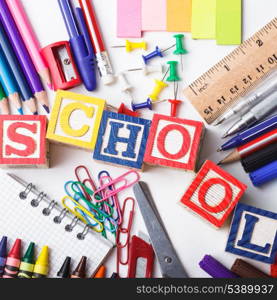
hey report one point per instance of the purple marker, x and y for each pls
(23, 55)
(3, 255)
(215, 269)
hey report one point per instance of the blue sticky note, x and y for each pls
(122, 140)
(253, 234)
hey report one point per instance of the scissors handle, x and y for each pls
(171, 265)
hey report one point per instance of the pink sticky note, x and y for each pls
(154, 16)
(129, 19)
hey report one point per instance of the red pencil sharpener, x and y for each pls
(62, 67)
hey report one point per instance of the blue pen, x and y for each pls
(80, 44)
(9, 84)
(264, 175)
(250, 134)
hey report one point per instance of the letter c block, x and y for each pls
(75, 120)
(213, 194)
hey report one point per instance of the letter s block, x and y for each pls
(122, 140)
(23, 141)
(253, 234)
(174, 142)
(75, 120)
(213, 194)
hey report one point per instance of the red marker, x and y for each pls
(102, 56)
(13, 261)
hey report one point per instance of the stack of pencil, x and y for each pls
(21, 63)
(257, 151)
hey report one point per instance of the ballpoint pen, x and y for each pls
(24, 88)
(261, 92)
(257, 113)
(4, 104)
(9, 84)
(23, 55)
(250, 134)
(80, 44)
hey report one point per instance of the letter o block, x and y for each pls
(23, 141)
(213, 194)
(174, 142)
(75, 120)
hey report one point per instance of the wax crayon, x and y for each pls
(114, 276)
(101, 273)
(65, 269)
(80, 271)
(13, 261)
(27, 263)
(41, 266)
(3, 254)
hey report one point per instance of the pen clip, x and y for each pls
(84, 31)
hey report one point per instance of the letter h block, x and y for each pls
(122, 140)
(23, 141)
(174, 142)
(253, 234)
(75, 120)
(213, 194)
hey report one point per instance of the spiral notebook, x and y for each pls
(32, 216)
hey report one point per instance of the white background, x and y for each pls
(192, 237)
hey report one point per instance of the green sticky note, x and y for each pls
(203, 19)
(229, 22)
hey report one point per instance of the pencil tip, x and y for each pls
(219, 163)
(219, 150)
(47, 109)
(225, 135)
(20, 111)
(35, 113)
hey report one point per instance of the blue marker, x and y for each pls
(3, 254)
(80, 43)
(265, 174)
(251, 134)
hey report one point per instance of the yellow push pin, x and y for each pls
(131, 46)
(160, 85)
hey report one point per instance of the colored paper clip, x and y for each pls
(125, 231)
(76, 209)
(123, 182)
(87, 174)
(62, 67)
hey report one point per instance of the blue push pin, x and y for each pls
(147, 104)
(157, 53)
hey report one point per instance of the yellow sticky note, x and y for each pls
(179, 15)
(228, 22)
(203, 24)
(75, 120)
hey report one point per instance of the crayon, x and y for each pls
(27, 263)
(3, 254)
(80, 271)
(13, 261)
(41, 266)
(101, 273)
(65, 269)
(114, 276)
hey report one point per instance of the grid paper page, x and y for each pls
(19, 219)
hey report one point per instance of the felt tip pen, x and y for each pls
(80, 43)
(264, 175)
(250, 134)
(257, 113)
(267, 87)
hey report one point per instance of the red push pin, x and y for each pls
(174, 107)
(125, 111)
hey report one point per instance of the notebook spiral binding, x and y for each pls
(52, 204)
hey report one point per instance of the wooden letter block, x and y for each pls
(174, 142)
(122, 140)
(23, 141)
(75, 120)
(213, 194)
(253, 234)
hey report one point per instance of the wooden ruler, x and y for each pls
(219, 88)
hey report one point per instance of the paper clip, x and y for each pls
(88, 179)
(77, 208)
(125, 231)
(123, 182)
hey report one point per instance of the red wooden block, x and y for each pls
(273, 269)
(23, 141)
(213, 194)
(174, 142)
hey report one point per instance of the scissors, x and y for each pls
(170, 264)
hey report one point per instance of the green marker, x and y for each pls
(4, 104)
(173, 75)
(28, 263)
